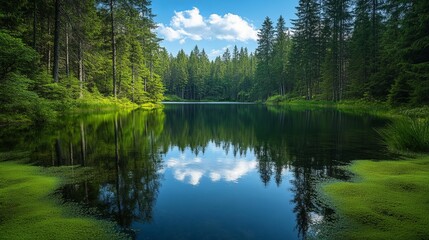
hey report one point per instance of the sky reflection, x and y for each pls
(215, 163)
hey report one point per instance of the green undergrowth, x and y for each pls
(91, 103)
(29, 209)
(173, 98)
(375, 108)
(386, 200)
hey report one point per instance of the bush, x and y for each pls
(276, 99)
(407, 135)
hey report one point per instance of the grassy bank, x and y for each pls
(388, 200)
(53, 110)
(91, 103)
(29, 210)
(353, 106)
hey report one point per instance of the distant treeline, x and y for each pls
(337, 49)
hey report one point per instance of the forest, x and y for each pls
(56, 54)
(335, 50)
(320, 132)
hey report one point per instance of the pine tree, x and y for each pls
(264, 54)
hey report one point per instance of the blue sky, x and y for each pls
(216, 24)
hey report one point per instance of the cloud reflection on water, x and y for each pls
(215, 163)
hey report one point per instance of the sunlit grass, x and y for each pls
(380, 109)
(389, 201)
(28, 210)
(407, 135)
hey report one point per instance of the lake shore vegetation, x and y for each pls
(31, 210)
(386, 200)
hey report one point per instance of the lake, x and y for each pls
(206, 171)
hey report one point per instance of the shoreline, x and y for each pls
(30, 209)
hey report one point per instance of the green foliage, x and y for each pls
(15, 57)
(399, 92)
(407, 135)
(16, 95)
(389, 201)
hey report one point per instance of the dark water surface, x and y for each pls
(208, 171)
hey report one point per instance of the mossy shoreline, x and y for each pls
(30, 210)
(386, 200)
(88, 104)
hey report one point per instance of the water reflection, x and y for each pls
(218, 165)
(260, 164)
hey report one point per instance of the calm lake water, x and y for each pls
(207, 171)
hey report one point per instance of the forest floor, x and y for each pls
(386, 200)
(29, 209)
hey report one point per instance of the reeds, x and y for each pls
(410, 135)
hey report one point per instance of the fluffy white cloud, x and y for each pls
(169, 33)
(217, 52)
(232, 27)
(190, 24)
(188, 19)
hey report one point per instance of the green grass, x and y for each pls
(100, 103)
(389, 200)
(173, 98)
(380, 109)
(409, 135)
(29, 210)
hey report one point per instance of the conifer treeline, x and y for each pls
(336, 50)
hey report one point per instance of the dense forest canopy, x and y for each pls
(337, 49)
(56, 51)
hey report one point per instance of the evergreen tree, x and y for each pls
(264, 54)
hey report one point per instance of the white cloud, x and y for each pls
(169, 33)
(232, 27)
(188, 19)
(190, 24)
(217, 52)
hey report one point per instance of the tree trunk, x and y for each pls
(67, 52)
(48, 64)
(112, 16)
(34, 23)
(56, 41)
(59, 152)
(80, 56)
(71, 153)
(132, 82)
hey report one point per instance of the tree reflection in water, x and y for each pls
(129, 151)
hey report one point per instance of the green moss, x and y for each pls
(390, 200)
(28, 210)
